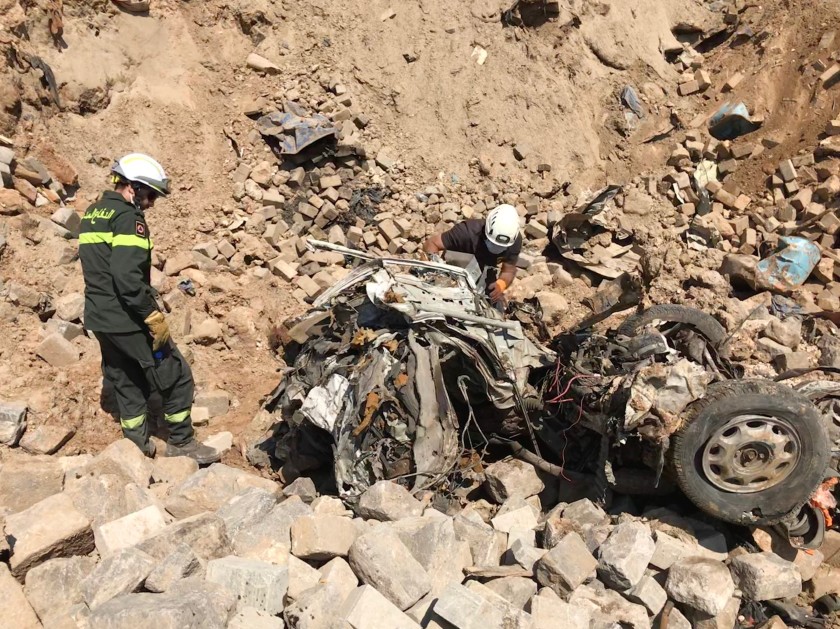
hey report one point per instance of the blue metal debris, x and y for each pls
(789, 266)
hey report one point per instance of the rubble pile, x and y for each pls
(118, 540)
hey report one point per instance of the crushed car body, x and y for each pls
(405, 371)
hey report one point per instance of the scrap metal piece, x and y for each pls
(294, 132)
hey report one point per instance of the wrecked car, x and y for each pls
(404, 371)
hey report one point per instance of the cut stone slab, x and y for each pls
(55, 585)
(246, 508)
(387, 501)
(550, 612)
(46, 439)
(609, 608)
(765, 576)
(39, 535)
(17, 612)
(204, 534)
(467, 608)
(566, 566)
(486, 544)
(254, 583)
(512, 479)
(379, 558)
(210, 488)
(23, 483)
(625, 555)
(121, 573)
(302, 577)
(703, 584)
(515, 590)
(12, 422)
(270, 539)
(436, 547)
(173, 470)
(197, 604)
(179, 565)
(366, 608)
(322, 537)
(584, 512)
(252, 618)
(129, 530)
(649, 593)
(337, 572)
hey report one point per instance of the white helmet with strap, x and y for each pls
(502, 226)
(142, 169)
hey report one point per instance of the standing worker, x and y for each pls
(120, 310)
(494, 241)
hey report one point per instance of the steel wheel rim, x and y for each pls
(751, 453)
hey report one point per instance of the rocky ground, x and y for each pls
(440, 113)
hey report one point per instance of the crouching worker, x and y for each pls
(495, 241)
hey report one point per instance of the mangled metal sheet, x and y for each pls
(295, 132)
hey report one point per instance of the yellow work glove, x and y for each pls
(158, 328)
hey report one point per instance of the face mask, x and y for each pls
(494, 248)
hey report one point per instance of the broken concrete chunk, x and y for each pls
(254, 583)
(261, 64)
(387, 501)
(45, 439)
(512, 479)
(765, 576)
(703, 584)
(58, 351)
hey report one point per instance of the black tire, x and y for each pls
(704, 323)
(726, 401)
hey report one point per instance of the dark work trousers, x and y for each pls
(128, 364)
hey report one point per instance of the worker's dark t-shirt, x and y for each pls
(468, 237)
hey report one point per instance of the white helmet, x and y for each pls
(502, 226)
(142, 169)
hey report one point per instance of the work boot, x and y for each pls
(200, 453)
(149, 449)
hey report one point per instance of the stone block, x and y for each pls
(195, 604)
(511, 478)
(468, 608)
(432, 541)
(702, 584)
(338, 573)
(125, 456)
(550, 612)
(522, 518)
(366, 608)
(46, 439)
(649, 593)
(387, 501)
(625, 555)
(565, 566)
(318, 607)
(210, 488)
(302, 577)
(303, 488)
(120, 573)
(55, 586)
(216, 401)
(180, 564)
(173, 470)
(58, 351)
(584, 512)
(486, 544)
(203, 533)
(252, 618)
(322, 537)
(12, 424)
(765, 576)
(269, 539)
(246, 508)
(380, 559)
(40, 535)
(17, 612)
(515, 590)
(254, 583)
(608, 608)
(129, 530)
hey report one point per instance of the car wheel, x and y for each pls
(704, 323)
(750, 452)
